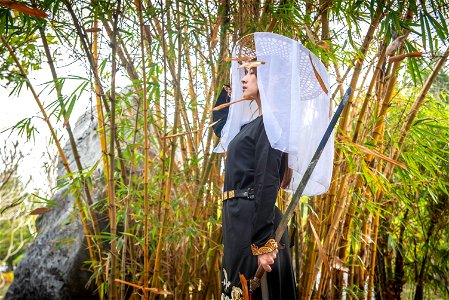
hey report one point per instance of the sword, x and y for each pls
(254, 283)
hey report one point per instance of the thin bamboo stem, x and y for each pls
(146, 269)
(373, 257)
(113, 291)
(168, 184)
(368, 95)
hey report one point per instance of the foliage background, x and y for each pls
(153, 70)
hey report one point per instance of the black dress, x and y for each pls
(252, 162)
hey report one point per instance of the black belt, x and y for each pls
(244, 193)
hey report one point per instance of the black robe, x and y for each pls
(252, 162)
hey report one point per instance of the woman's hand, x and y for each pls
(267, 259)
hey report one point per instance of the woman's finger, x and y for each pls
(266, 267)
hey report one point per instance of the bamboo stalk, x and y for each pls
(188, 124)
(146, 267)
(113, 291)
(100, 115)
(76, 155)
(377, 137)
(375, 21)
(308, 280)
(86, 47)
(123, 54)
(368, 95)
(168, 184)
(373, 257)
(192, 94)
(298, 248)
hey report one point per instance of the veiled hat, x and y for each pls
(294, 91)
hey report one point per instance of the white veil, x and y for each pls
(295, 106)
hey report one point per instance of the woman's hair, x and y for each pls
(287, 174)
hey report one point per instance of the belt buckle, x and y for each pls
(250, 193)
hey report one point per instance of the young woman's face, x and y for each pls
(249, 84)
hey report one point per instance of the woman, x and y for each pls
(249, 222)
(257, 134)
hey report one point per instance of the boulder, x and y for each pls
(54, 267)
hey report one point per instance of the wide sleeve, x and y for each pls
(266, 185)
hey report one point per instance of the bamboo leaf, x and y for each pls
(320, 248)
(33, 12)
(40, 211)
(374, 153)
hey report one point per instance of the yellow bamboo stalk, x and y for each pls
(192, 140)
(361, 268)
(124, 57)
(113, 291)
(356, 108)
(375, 21)
(368, 95)
(146, 269)
(333, 219)
(218, 81)
(340, 195)
(373, 256)
(100, 113)
(308, 279)
(168, 183)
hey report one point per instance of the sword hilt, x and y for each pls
(254, 283)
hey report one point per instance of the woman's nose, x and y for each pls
(244, 80)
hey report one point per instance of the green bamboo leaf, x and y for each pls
(429, 33)
(24, 128)
(440, 30)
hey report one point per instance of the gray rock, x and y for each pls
(53, 267)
